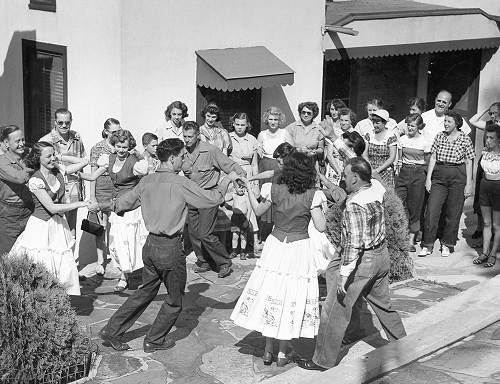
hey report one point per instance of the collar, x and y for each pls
(165, 170)
(235, 136)
(56, 136)
(170, 125)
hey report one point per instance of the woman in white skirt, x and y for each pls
(280, 299)
(127, 233)
(47, 238)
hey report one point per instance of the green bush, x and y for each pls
(39, 335)
(396, 224)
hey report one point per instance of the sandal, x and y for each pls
(121, 286)
(481, 258)
(491, 261)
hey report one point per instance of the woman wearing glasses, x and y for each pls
(305, 133)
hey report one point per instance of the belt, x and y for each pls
(414, 165)
(379, 245)
(174, 236)
(446, 164)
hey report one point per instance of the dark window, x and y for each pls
(44, 85)
(43, 5)
(231, 102)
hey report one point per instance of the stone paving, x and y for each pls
(473, 360)
(211, 349)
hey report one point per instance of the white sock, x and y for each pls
(281, 355)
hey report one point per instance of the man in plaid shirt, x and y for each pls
(364, 270)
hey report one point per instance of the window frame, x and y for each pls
(43, 5)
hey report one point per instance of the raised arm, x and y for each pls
(477, 121)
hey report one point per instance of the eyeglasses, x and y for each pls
(492, 113)
(61, 123)
(306, 113)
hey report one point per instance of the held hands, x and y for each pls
(341, 285)
(468, 190)
(93, 206)
(428, 184)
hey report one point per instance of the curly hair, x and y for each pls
(310, 105)
(459, 120)
(6, 130)
(299, 173)
(337, 103)
(348, 112)
(179, 105)
(211, 108)
(275, 111)
(493, 128)
(417, 102)
(32, 160)
(283, 150)
(122, 136)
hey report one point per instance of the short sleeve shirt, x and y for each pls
(456, 151)
(244, 148)
(413, 149)
(305, 136)
(270, 141)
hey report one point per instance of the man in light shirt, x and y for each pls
(434, 118)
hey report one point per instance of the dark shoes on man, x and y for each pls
(114, 342)
(224, 271)
(151, 347)
(201, 268)
(309, 365)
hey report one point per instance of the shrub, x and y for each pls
(39, 335)
(396, 224)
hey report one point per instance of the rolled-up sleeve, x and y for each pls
(9, 173)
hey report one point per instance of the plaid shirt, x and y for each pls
(363, 225)
(456, 151)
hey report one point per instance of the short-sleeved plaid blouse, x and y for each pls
(455, 152)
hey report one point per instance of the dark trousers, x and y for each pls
(164, 263)
(410, 187)
(370, 279)
(13, 220)
(205, 243)
(446, 196)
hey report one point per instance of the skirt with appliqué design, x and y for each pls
(280, 299)
(51, 243)
(127, 235)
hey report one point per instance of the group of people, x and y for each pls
(194, 183)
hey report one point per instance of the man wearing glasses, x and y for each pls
(67, 142)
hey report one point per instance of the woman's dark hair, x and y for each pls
(379, 103)
(418, 102)
(32, 160)
(122, 136)
(108, 123)
(358, 143)
(283, 150)
(493, 128)
(337, 103)
(169, 147)
(298, 172)
(6, 130)
(241, 116)
(417, 118)
(179, 105)
(348, 112)
(360, 166)
(211, 108)
(309, 105)
(459, 121)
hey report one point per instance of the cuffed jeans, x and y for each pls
(165, 263)
(410, 187)
(371, 280)
(13, 220)
(447, 189)
(201, 231)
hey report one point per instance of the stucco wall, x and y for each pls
(160, 40)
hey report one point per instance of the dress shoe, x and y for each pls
(201, 268)
(282, 361)
(151, 347)
(115, 343)
(224, 271)
(310, 365)
(267, 358)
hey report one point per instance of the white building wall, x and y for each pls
(160, 40)
(91, 31)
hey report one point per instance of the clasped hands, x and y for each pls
(93, 206)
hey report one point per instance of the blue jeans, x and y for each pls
(370, 279)
(165, 263)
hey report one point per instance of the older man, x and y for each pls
(203, 164)
(67, 142)
(364, 271)
(434, 118)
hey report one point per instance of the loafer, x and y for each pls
(152, 347)
(282, 361)
(224, 271)
(114, 342)
(310, 365)
(201, 268)
(267, 358)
